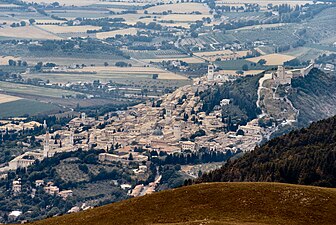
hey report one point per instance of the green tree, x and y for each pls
(245, 67)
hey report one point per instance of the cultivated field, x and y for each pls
(7, 98)
(24, 107)
(109, 34)
(233, 72)
(68, 2)
(184, 8)
(68, 29)
(183, 18)
(305, 53)
(273, 59)
(23, 89)
(213, 53)
(263, 2)
(238, 64)
(75, 13)
(105, 74)
(222, 55)
(156, 54)
(187, 60)
(262, 26)
(27, 32)
(97, 60)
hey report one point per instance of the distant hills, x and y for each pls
(216, 204)
(306, 156)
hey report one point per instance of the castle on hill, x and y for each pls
(283, 76)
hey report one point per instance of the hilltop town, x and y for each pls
(173, 124)
(104, 100)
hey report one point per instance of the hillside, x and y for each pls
(316, 91)
(216, 203)
(306, 156)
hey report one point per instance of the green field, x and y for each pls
(237, 65)
(155, 54)
(24, 107)
(23, 89)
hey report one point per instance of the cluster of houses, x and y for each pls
(49, 188)
(163, 125)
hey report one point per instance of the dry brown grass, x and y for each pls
(4, 59)
(104, 35)
(7, 98)
(217, 203)
(27, 32)
(272, 59)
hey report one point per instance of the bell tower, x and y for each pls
(211, 71)
(46, 146)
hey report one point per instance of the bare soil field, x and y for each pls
(183, 8)
(104, 35)
(8, 98)
(272, 59)
(27, 32)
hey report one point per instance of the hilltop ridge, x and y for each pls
(217, 203)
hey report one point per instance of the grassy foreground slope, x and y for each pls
(216, 203)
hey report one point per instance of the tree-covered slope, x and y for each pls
(306, 156)
(243, 94)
